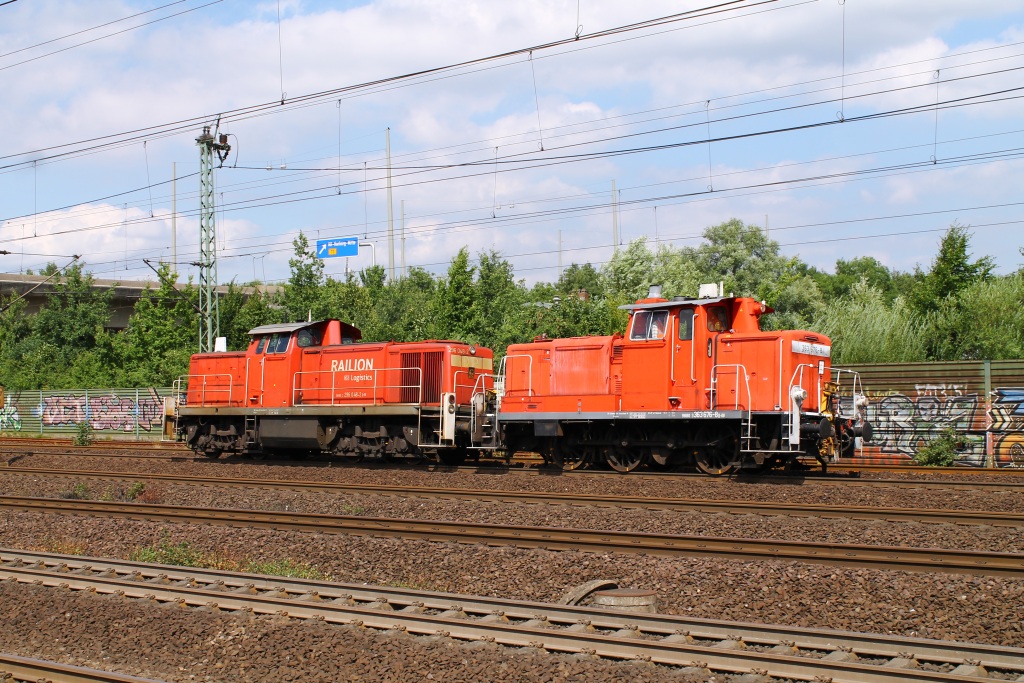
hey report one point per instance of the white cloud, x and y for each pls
(213, 60)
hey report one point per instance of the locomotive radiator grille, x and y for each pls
(430, 366)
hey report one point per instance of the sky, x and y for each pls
(862, 128)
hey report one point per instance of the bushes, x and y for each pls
(943, 451)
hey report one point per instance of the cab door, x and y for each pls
(277, 371)
(646, 361)
(687, 362)
(254, 374)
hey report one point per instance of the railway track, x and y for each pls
(178, 449)
(927, 516)
(719, 646)
(14, 668)
(550, 538)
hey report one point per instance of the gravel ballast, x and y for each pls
(949, 536)
(794, 490)
(174, 644)
(197, 645)
(933, 605)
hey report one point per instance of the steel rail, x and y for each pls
(981, 563)
(36, 670)
(173, 446)
(924, 515)
(809, 478)
(733, 647)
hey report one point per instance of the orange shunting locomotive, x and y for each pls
(692, 382)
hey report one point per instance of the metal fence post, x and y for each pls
(136, 414)
(990, 458)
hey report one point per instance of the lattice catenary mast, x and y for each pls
(209, 309)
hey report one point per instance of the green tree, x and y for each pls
(952, 270)
(985, 321)
(162, 334)
(865, 329)
(630, 273)
(66, 343)
(744, 259)
(576, 317)
(848, 273)
(303, 294)
(578, 278)
(497, 312)
(454, 299)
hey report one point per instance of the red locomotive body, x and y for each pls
(693, 381)
(311, 386)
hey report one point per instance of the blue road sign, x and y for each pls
(345, 246)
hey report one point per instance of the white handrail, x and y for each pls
(503, 370)
(856, 388)
(475, 385)
(184, 380)
(376, 385)
(794, 382)
(746, 382)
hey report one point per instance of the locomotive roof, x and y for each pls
(674, 302)
(282, 327)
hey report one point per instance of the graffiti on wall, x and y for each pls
(10, 419)
(1008, 425)
(905, 423)
(105, 412)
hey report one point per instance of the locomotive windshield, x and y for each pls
(718, 319)
(649, 325)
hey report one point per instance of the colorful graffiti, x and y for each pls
(1007, 415)
(10, 418)
(111, 412)
(125, 411)
(903, 424)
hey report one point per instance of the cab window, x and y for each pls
(686, 324)
(718, 319)
(649, 325)
(261, 345)
(304, 338)
(278, 343)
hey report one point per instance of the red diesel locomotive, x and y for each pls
(693, 382)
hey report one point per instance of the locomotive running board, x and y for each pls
(530, 416)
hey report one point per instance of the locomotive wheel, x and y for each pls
(713, 461)
(624, 459)
(577, 458)
(715, 458)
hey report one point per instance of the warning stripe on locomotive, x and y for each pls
(472, 362)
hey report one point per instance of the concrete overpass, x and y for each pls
(126, 293)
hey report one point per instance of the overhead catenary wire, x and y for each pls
(109, 35)
(231, 114)
(558, 214)
(91, 28)
(841, 175)
(747, 103)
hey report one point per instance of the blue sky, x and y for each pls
(830, 190)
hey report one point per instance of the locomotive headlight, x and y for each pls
(799, 395)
